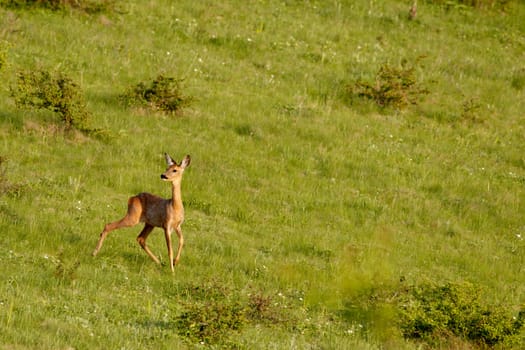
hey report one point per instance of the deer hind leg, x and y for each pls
(142, 241)
(131, 219)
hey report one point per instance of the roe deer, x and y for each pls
(156, 212)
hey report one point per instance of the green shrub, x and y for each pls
(211, 322)
(393, 87)
(433, 312)
(55, 92)
(217, 312)
(164, 94)
(88, 6)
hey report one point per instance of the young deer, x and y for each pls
(156, 212)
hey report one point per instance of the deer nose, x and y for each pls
(164, 177)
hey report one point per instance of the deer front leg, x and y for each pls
(167, 234)
(181, 243)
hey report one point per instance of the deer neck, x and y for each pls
(176, 198)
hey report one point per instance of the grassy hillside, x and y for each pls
(313, 215)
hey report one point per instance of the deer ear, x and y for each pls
(169, 161)
(185, 162)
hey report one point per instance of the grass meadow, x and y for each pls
(309, 211)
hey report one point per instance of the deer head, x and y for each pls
(174, 171)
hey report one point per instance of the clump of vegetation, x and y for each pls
(211, 322)
(437, 315)
(393, 87)
(213, 316)
(433, 313)
(65, 271)
(260, 307)
(55, 92)
(518, 79)
(87, 6)
(471, 110)
(6, 186)
(485, 4)
(218, 313)
(265, 309)
(3, 55)
(163, 94)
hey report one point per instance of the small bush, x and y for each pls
(431, 313)
(87, 6)
(55, 92)
(393, 87)
(164, 94)
(214, 314)
(211, 322)
(217, 312)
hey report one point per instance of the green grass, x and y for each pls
(293, 194)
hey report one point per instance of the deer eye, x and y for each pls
(174, 170)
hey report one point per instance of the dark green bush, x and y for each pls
(393, 87)
(432, 312)
(163, 93)
(56, 92)
(88, 6)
